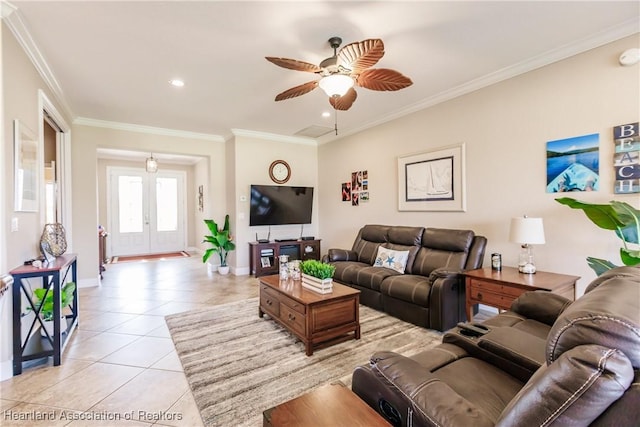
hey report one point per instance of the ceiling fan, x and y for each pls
(347, 68)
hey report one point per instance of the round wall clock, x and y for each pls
(279, 171)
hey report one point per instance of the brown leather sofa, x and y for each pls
(430, 291)
(588, 374)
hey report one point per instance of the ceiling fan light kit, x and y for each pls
(336, 84)
(347, 68)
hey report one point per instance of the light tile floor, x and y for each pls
(121, 362)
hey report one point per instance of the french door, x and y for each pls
(146, 211)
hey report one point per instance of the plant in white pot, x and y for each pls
(221, 243)
(317, 276)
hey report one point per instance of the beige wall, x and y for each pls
(87, 139)
(252, 159)
(21, 83)
(505, 129)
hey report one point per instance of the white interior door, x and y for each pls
(147, 211)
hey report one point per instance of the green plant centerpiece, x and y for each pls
(220, 240)
(43, 300)
(620, 217)
(317, 269)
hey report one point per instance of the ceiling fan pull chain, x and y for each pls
(335, 110)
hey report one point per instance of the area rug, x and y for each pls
(238, 364)
(149, 257)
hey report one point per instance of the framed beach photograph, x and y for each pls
(432, 180)
(573, 164)
(25, 168)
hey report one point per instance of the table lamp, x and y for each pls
(526, 231)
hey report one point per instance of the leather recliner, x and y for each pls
(589, 373)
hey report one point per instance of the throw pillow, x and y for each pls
(388, 258)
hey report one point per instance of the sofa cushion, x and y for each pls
(407, 287)
(428, 259)
(442, 248)
(447, 239)
(368, 241)
(369, 277)
(389, 258)
(344, 270)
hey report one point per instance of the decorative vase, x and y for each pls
(53, 240)
(223, 270)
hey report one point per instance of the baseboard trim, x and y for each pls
(89, 283)
(6, 370)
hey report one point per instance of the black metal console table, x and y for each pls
(34, 345)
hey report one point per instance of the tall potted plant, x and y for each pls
(221, 243)
(620, 217)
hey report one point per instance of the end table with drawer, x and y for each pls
(499, 288)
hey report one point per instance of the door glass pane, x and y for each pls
(167, 204)
(130, 204)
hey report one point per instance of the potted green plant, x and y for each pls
(620, 217)
(317, 275)
(43, 301)
(221, 243)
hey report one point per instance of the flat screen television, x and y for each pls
(280, 204)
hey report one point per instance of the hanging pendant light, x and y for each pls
(151, 164)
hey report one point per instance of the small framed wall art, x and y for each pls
(432, 180)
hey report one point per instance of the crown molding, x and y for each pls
(626, 29)
(274, 137)
(6, 9)
(85, 121)
(12, 17)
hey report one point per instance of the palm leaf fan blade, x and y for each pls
(383, 79)
(345, 101)
(293, 64)
(297, 91)
(359, 56)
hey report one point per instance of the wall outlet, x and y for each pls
(15, 226)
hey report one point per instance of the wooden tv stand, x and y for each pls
(263, 257)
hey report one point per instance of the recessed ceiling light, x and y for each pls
(176, 82)
(326, 114)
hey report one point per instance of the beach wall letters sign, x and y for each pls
(573, 164)
(626, 158)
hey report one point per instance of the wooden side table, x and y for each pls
(332, 405)
(32, 345)
(499, 288)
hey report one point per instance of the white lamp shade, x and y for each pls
(527, 230)
(336, 84)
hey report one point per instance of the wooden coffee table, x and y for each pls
(318, 320)
(332, 405)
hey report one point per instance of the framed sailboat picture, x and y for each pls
(432, 180)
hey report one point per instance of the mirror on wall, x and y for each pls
(26, 168)
(51, 195)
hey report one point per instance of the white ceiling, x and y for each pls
(113, 60)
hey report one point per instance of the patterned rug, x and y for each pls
(149, 257)
(238, 365)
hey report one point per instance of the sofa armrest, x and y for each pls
(431, 401)
(446, 300)
(543, 306)
(573, 390)
(341, 255)
(520, 347)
